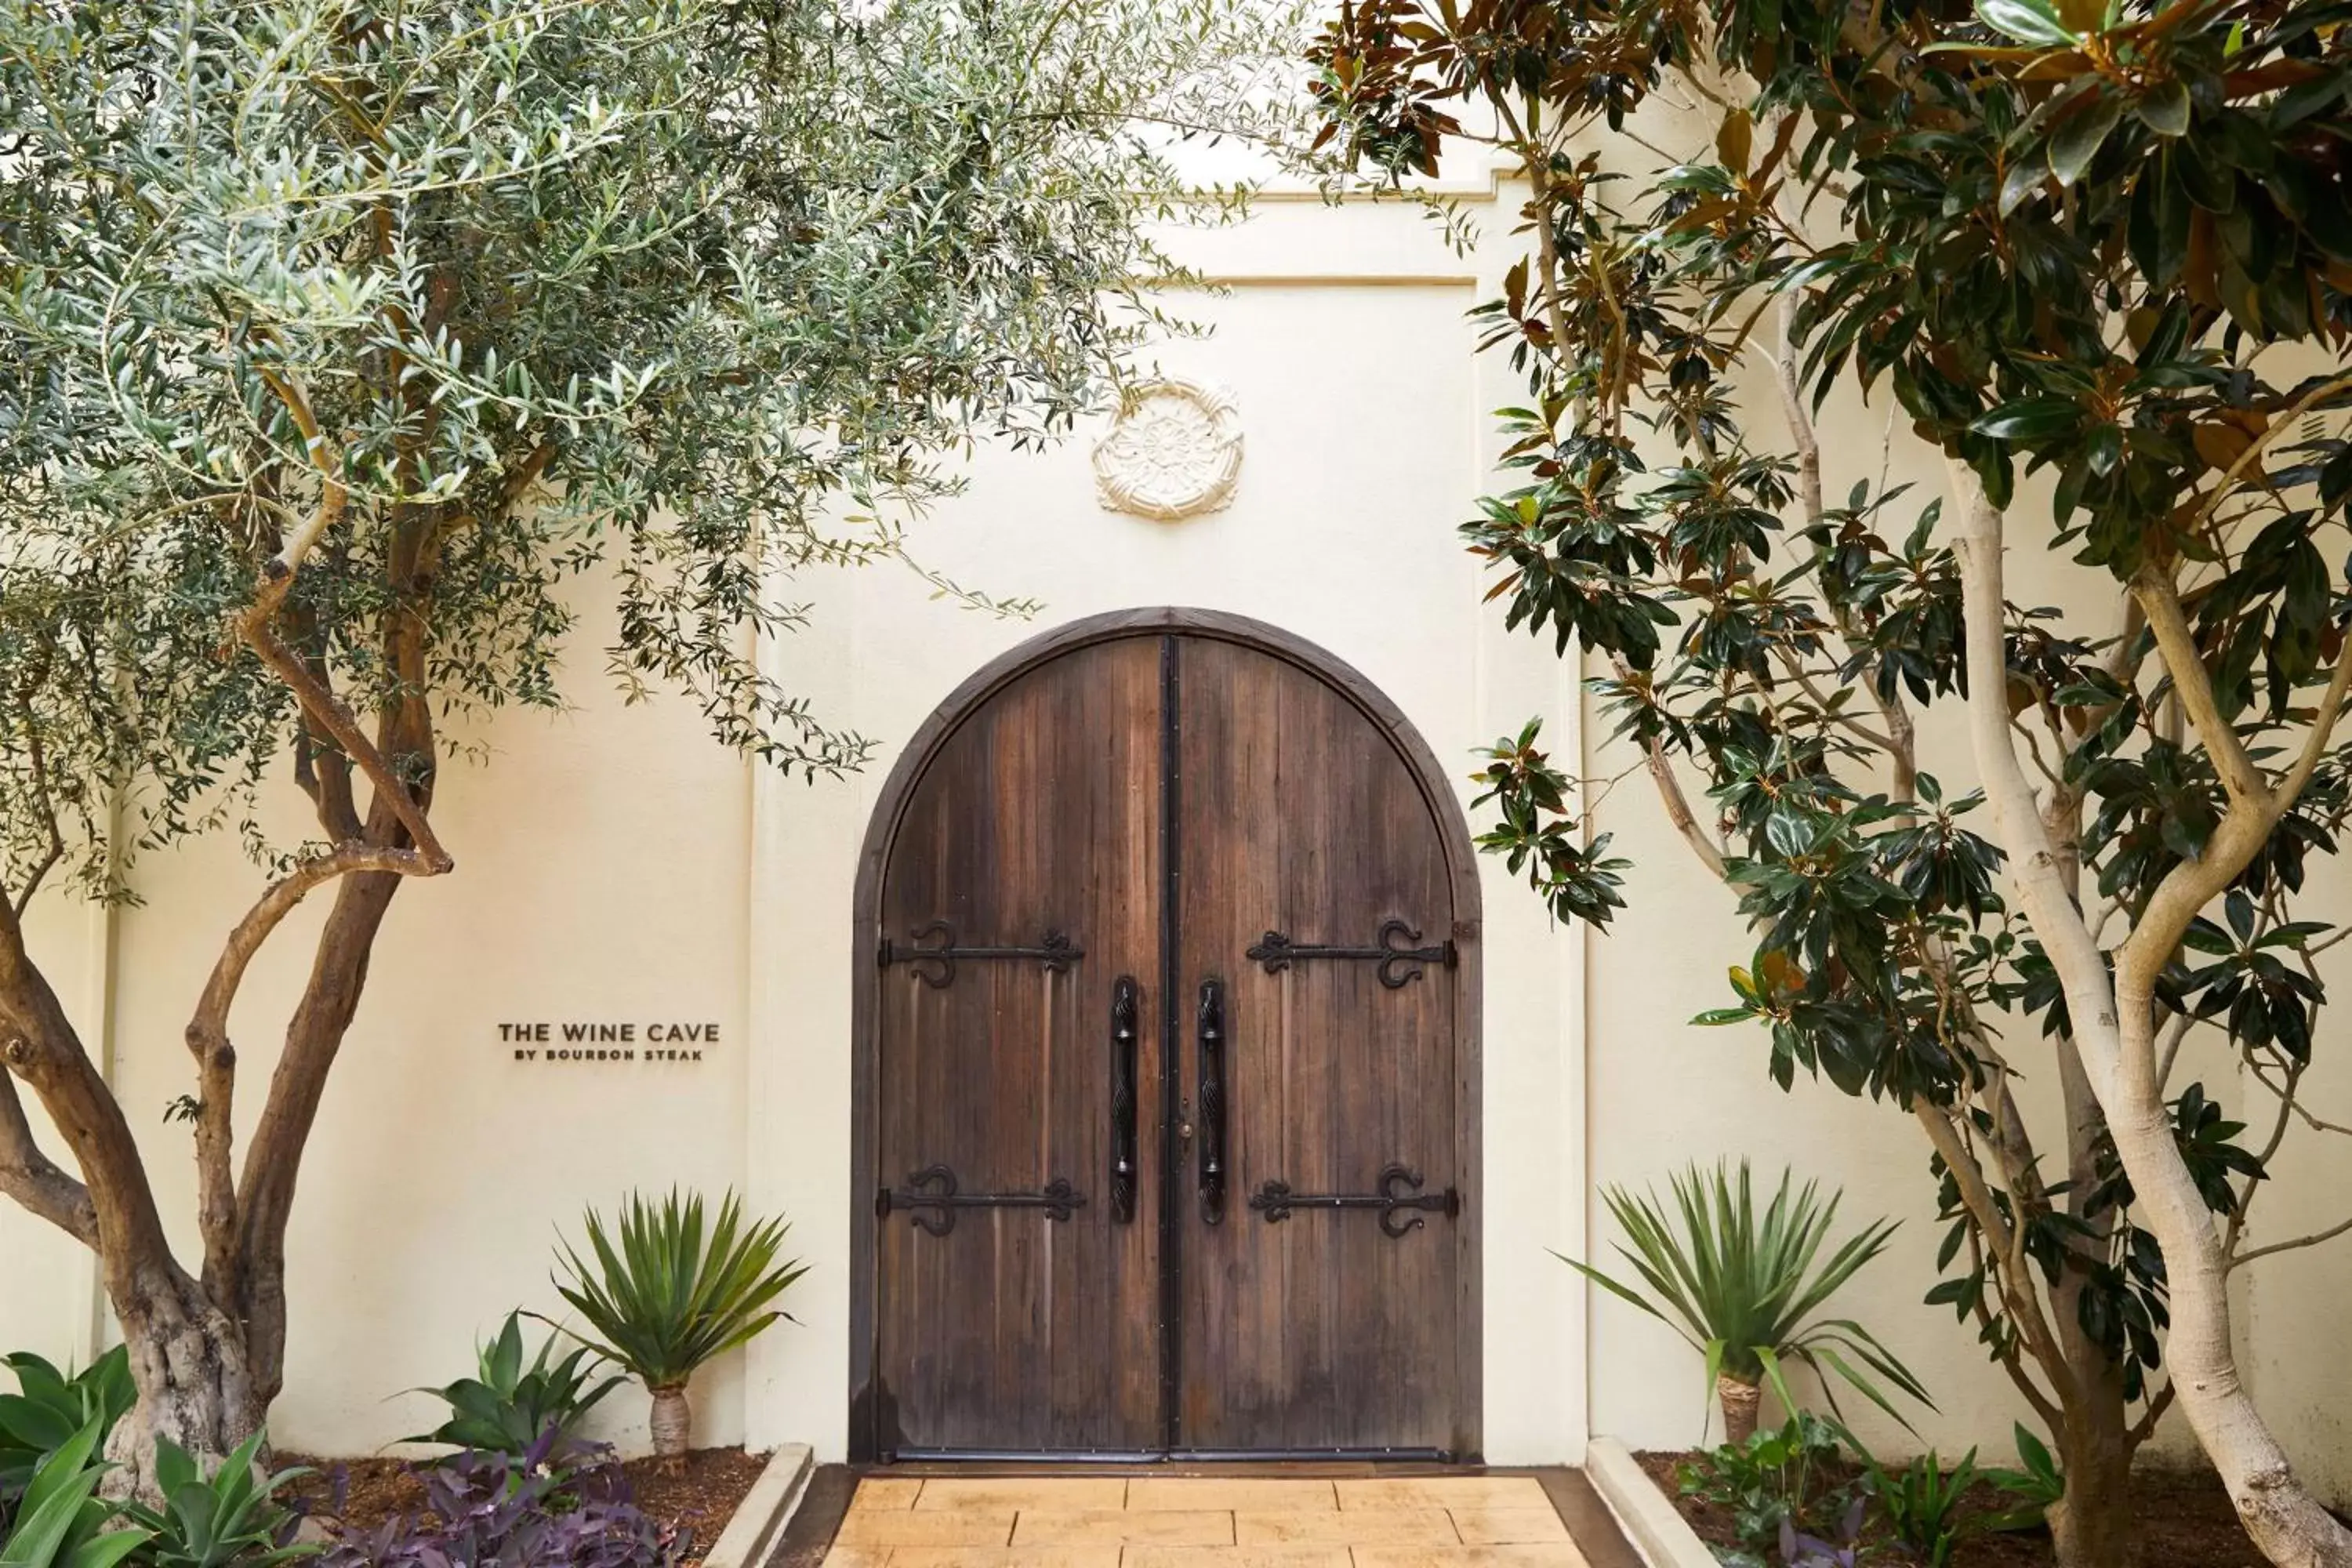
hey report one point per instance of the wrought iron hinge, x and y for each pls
(934, 961)
(1400, 961)
(930, 1199)
(1276, 1201)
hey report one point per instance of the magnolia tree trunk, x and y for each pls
(672, 1422)
(2113, 1017)
(2093, 1524)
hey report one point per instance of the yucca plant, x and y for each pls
(1743, 1290)
(672, 1295)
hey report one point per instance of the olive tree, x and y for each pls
(345, 343)
(2097, 253)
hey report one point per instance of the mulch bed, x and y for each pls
(2185, 1516)
(701, 1495)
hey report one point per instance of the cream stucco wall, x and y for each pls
(615, 865)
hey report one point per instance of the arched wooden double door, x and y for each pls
(1166, 1089)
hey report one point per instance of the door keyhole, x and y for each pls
(1184, 1123)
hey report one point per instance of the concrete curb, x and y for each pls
(750, 1537)
(1644, 1512)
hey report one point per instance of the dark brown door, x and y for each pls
(1169, 1083)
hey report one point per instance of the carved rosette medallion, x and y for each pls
(1175, 451)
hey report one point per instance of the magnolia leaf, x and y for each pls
(2024, 180)
(2164, 109)
(1733, 140)
(2028, 419)
(2027, 21)
(2077, 140)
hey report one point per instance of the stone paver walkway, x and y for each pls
(1185, 1521)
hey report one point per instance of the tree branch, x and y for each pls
(1670, 792)
(34, 1180)
(2313, 1239)
(337, 719)
(2260, 444)
(2007, 1242)
(114, 1205)
(208, 1039)
(2035, 864)
(37, 757)
(253, 627)
(2193, 684)
(2190, 885)
(1801, 431)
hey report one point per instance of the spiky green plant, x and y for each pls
(1743, 1290)
(673, 1295)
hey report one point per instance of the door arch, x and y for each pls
(1196, 811)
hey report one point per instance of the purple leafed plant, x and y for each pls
(1800, 1551)
(562, 1505)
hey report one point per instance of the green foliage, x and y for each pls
(2036, 1484)
(1921, 1502)
(1780, 1475)
(49, 1408)
(1743, 1288)
(231, 1519)
(507, 1407)
(666, 1296)
(61, 1522)
(2107, 246)
(678, 297)
(1536, 836)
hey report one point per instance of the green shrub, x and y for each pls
(1777, 1476)
(1743, 1289)
(1922, 1503)
(49, 1408)
(507, 1406)
(60, 1522)
(230, 1519)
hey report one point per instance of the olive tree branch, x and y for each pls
(207, 1032)
(34, 1180)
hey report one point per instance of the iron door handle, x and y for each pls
(1212, 1041)
(1124, 996)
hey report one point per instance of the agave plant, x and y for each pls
(232, 1517)
(1743, 1290)
(49, 1407)
(61, 1522)
(671, 1295)
(508, 1406)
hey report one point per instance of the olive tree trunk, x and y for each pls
(193, 1375)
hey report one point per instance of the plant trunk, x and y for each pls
(2111, 1005)
(2092, 1525)
(2286, 1523)
(195, 1388)
(1740, 1401)
(672, 1422)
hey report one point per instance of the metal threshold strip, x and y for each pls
(1159, 1456)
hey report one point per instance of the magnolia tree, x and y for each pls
(2097, 252)
(343, 345)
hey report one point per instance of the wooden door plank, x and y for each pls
(1013, 1331)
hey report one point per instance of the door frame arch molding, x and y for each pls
(873, 861)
